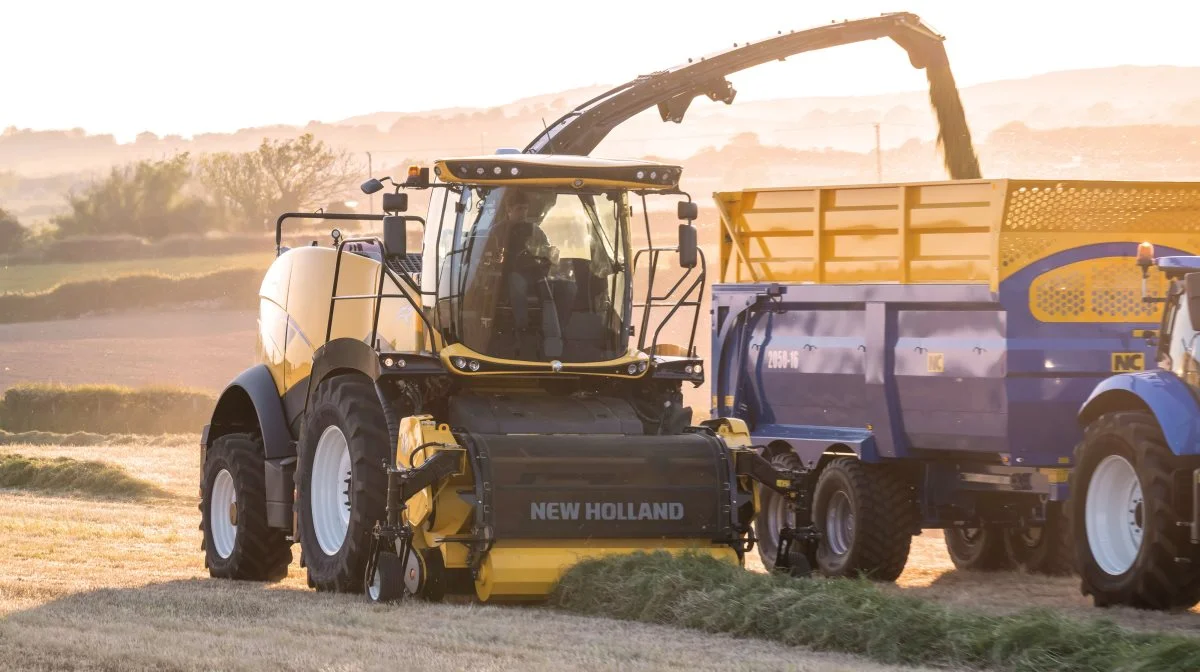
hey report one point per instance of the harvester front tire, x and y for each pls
(866, 516)
(979, 549)
(238, 542)
(341, 481)
(1047, 550)
(1123, 466)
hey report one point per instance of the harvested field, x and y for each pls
(26, 278)
(189, 348)
(132, 593)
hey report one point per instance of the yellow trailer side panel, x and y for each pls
(966, 231)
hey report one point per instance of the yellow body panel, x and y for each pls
(966, 231)
(294, 310)
(528, 569)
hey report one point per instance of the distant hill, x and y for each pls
(1119, 122)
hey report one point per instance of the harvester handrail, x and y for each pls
(378, 296)
(653, 301)
(337, 216)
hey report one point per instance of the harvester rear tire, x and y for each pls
(1047, 550)
(1127, 451)
(347, 404)
(978, 549)
(882, 517)
(243, 546)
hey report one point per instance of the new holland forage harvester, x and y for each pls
(476, 417)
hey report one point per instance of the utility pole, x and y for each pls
(371, 173)
(878, 156)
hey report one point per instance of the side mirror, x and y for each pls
(395, 235)
(395, 202)
(687, 245)
(688, 210)
(1191, 284)
(371, 186)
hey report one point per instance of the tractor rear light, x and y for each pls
(632, 369)
(497, 170)
(515, 171)
(459, 362)
(389, 362)
(473, 365)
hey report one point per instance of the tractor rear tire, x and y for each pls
(1047, 550)
(341, 481)
(774, 514)
(866, 516)
(238, 542)
(979, 549)
(1126, 536)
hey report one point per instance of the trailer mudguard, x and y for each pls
(1166, 396)
(253, 398)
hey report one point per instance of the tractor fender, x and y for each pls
(1162, 393)
(342, 355)
(252, 398)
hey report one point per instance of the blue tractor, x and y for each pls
(1135, 488)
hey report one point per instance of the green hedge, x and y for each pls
(104, 409)
(236, 287)
(855, 616)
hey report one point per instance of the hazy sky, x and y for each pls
(218, 65)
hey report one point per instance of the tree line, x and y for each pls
(223, 191)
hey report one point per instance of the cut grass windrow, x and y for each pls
(854, 616)
(38, 438)
(66, 476)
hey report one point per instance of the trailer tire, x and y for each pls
(866, 516)
(238, 542)
(1049, 551)
(774, 512)
(1126, 537)
(977, 549)
(343, 436)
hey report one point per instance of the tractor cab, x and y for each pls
(1177, 340)
(531, 259)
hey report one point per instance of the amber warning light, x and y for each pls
(1145, 255)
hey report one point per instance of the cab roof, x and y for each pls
(558, 170)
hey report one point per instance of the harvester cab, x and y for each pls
(479, 416)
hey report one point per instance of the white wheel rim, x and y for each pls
(839, 523)
(376, 586)
(220, 514)
(330, 490)
(1114, 515)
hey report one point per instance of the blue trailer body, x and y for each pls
(957, 376)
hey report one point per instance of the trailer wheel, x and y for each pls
(341, 482)
(866, 517)
(775, 514)
(1044, 550)
(238, 543)
(1126, 539)
(979, 549)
